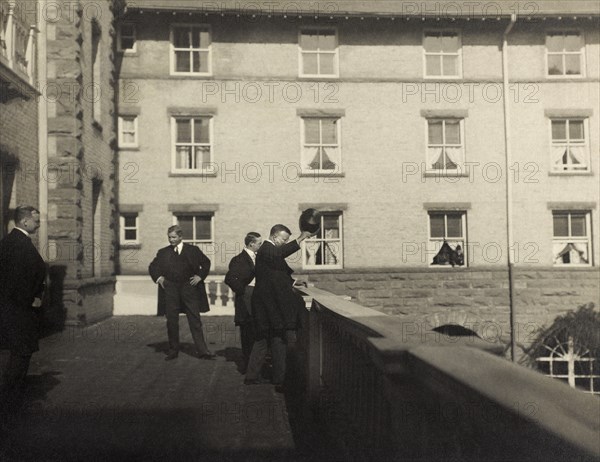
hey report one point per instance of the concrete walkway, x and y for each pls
(105, 393)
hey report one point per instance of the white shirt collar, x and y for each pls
(250, 252)
(179, 247)
(23, 231)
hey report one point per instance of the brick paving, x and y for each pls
(105, 393)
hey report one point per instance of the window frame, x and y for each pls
(123, 228)
(200, 243)
(582, 60)
(340, 264)
(570, 238)
(459, 54)
(199, 171)
(122, 143)
(336, 54)
(460, 170)
(463, 240)
(320, 171)
(172, 60)
(553, 166)
(120, 37)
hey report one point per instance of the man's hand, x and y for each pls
(305, 234)
(195, 280)
(161, 281)
(37, 302)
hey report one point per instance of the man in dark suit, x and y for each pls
(275, 305)
(22, 275)
(180, 269)
(240, 278)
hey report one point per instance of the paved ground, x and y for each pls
(105, 393)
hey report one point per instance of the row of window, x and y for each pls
(191, 52)
(192, 144)
(571, 245)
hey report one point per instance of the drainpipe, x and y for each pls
(508, 159)
(42, 134)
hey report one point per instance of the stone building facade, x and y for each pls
(81, 155)
(408, 129)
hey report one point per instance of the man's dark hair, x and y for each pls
(278, 228)
(175, 228)
(250, 238)
(24, 211)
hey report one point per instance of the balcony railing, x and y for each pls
(17, 42)
(384, 388)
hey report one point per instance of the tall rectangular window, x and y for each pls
(128, 132)
(129, 230)
(442, 54)
(447, 238)
(325, 250)
(126, 40)
(570, 150)
(319, 52)
(321, 148)
(96, 72)
(198, 229)
(564, 54)
(192, 147)
(445, 145)
(572, 242)
(191, 49)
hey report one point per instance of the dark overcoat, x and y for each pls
(240, 274)
(22, 276)
(195, 258)
(275, 304)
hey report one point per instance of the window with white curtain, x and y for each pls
(192, 147)
(570, 149)
(321, 151)
(571, 244)
(324, 250)
(445, 145)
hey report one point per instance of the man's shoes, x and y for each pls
(172, 355)
(259, 381)
(209, 355)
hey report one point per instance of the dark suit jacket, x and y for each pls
(22, 275)
(240, 274)
(275, 305)
(196, 258)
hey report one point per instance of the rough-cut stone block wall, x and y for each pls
(475, 298)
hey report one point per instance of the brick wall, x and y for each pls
(475, 298)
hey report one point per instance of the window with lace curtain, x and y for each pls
(570, 150)
(564, 54)
(325, 249)
(321, 152)
(445, 146)
(571, 243)
(192, 149)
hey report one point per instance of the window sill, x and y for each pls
(571, 173)
(318, 76)
(196, 174)
(565, 77)
(572, 266)
(189, 75)
(322, 267)
(129, 148)
(321, 175)
(444, 78)
(130, 245)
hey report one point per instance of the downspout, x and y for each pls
(41, 60)
(509, 192)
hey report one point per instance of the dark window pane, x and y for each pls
(182, 61)
(184, 132)
(437, 225)
(450, 43)
(311, 131)
(435, 131)
(572, 42)
(559, 130)
(555, 42)
(309, 40)
(433, 65)
(181, 38)
(309, 63)
(127, 43)
(452, 131)
(572, 65)
(331, 225)
(130, 234)
(326, 62)
(204, 39)
(583, 383)
(329, 131)
(127, 30)
(454, 226)
(561, 225)
(186, 224)
(130, 220)
(202, 130)
(203, 228)
(578, 225)
(560, 367)
(450, 64)
(196, 61)
(326, 41)
(576, 130)
(555, 65)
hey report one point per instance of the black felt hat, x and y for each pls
(310, 221)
